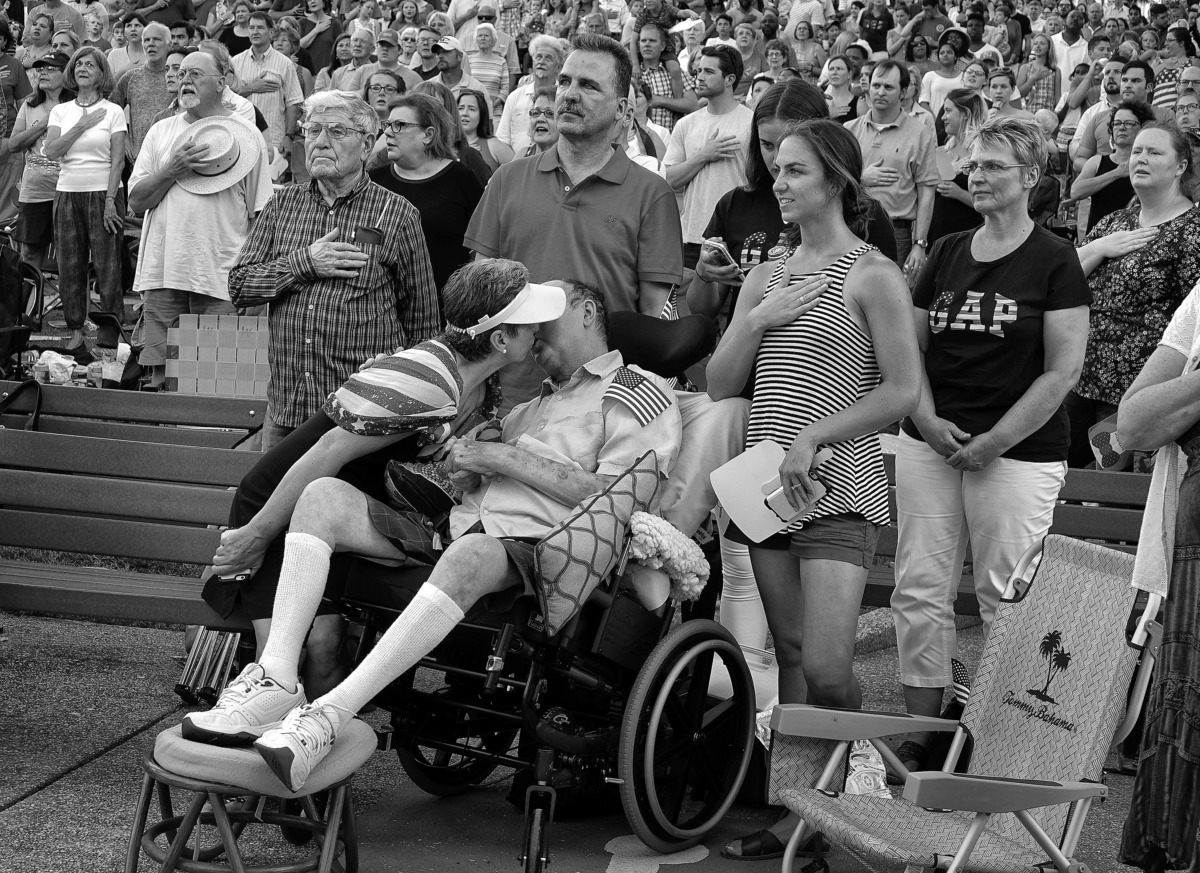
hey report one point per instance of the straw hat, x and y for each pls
(233, 151)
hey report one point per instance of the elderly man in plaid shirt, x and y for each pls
(342, 262)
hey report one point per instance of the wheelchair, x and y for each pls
(617, 702)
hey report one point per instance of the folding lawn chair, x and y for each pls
(1048, 695)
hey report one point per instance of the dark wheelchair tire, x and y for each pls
(444, 774)
(683, 754)
(535, 848)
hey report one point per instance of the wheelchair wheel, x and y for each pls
(443, 772)
(684, 754)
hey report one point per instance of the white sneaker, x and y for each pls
(304, 738)
(250, 704)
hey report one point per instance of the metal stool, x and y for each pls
(235, 784)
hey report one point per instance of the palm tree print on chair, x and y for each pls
(1057, 660)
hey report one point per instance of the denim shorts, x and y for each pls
(847, 537)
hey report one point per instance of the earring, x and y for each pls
(505, 351)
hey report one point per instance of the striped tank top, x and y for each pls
(807, 370)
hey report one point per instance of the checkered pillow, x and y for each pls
(577, 555)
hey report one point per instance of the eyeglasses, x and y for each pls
(384, 89)
(541, 113)
(191, 75)
(314, 129)
(485, 17)
(398, 126)
(1125, 125)
(990, 168)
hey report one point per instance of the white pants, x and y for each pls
(1001, 511)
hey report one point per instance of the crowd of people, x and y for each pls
(459, 195)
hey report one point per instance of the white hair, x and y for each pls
(544, 42)
(361, 114)
(155, 27)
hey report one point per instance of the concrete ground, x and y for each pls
(80, 704)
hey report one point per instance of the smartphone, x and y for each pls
(777, 500)
(723, 256)
(241, 576)
(367, 236)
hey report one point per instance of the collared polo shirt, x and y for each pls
(574, 425)
(905, 145)
(612, 230)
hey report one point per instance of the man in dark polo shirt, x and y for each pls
(583, 210)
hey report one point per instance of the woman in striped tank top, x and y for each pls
(826, 333)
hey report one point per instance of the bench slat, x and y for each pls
(88, 591)
(1097, 522)
(132, 460)
(114, 430)
(120, 498)
(108, 536)
(1097, 486)
(146, 407)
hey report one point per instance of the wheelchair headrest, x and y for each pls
(663, 347)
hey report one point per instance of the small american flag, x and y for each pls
(962, 680)
(637, 394)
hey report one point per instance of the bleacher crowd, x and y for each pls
(463, 192)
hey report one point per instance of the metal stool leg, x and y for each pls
(350, 832)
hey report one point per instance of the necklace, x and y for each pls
(83, 105)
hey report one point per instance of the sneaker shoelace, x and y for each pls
(310, 725)
(237, 692)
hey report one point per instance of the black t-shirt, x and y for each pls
(236, 44)
(951, 216)
(446, 202)
(874, 29)
(986, 343)
(750, 224)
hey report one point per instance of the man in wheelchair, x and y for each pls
(594, 418)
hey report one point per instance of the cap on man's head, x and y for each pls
(58, 60)
(448, 44)
(388, 36)
(485, 9)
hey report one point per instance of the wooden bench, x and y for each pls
(1093, 505)
(140, 476)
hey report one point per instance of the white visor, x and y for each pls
(534, 304)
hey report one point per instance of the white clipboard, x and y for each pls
(745, 484)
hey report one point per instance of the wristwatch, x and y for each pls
(923, 243)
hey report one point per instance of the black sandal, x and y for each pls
(906, 752)
(765, 846)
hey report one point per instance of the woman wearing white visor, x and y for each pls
(361, 476)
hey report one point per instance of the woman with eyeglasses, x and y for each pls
(419, 135)
(87, 137)
(1187, 111)
(35, 224)
(381, 88)
(1105, 178)
(1001, 314)
(543, 130)
(810, 57)
(917, 54)
(319, 32)
(1141, 262)
(408, 46)
(477, 125)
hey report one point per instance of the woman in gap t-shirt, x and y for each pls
(1002, 319)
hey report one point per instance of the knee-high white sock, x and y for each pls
(301, 584)
(426, 621)
(741, 606)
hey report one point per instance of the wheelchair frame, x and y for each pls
(616, 698)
